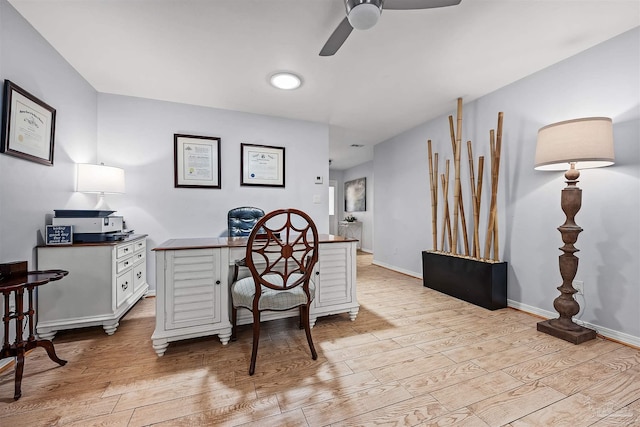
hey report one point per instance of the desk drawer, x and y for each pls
(139, 275)
(124, 287)
(138, 257)
(139, 245)
(124, 264)
(124, 250)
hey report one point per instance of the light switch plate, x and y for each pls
(316, 199)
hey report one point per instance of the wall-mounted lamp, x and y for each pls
(100, 179)
(573, 144)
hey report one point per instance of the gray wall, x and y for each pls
(137, 135)
(602, 81)
(29, 190)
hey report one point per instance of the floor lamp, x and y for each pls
(100, 179)
(573, 144)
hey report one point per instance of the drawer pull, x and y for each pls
(140, 256)
(125, 285)
(126, 249)
(139, 275)
(217, 282)
(126, 263)
(317, 273)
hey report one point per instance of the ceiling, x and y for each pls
(409, 68)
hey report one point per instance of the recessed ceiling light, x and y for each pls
(285, 81)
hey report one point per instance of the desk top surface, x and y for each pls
(229, 242)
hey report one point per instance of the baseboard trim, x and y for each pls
(396, 269)
(611, 334)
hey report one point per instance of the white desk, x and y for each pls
(193, 278)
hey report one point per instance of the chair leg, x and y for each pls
(256, 338)
(307, 330)
(301, 317)
(234, 321)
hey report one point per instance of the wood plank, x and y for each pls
(412, 357)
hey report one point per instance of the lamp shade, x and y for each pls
(100, 179)
(587, 142)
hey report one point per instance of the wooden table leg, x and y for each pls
(32, 341)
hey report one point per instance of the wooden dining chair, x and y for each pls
(282, 251)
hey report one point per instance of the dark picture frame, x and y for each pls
(196, 161)
(28, 126)
(262, 165)
(355, 195)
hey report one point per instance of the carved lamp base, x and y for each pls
(575, 336)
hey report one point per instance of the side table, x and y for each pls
(17, 282)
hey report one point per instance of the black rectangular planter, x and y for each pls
(478, 282)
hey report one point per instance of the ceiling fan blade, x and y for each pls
(417, 4)
(337, 38)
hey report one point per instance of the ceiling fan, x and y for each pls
(363, 14)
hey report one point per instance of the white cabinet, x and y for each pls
(335, 281)
(105, 280)
(192, 298)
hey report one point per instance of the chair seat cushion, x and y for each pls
(243, 290)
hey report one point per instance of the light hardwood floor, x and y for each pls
(412, 357)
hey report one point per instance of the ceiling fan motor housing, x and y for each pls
(363, 14)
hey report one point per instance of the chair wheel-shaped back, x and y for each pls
(282, 251)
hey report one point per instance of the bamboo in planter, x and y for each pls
(446, 218)
(433, 172)
(458, 208)
(475, 205)
(450, 231)
(492, 229)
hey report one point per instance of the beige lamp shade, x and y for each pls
(100, 179)
(587, 142)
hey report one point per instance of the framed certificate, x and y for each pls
(262, 165)
(28, 126)
(196, 161)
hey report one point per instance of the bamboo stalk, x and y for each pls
(496, 247)
(458, 208)
(434, 219)
(480, 173)
(492, 203)
(446, 218)
(479, 194)
(435, 192)
(476, 214)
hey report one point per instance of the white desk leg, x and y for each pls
(225, 336)
(160, 346)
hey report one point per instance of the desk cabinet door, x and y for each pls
(334, 270)
(193, 288)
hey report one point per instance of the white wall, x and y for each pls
(137, 135)
(29, 190)
(602, 81)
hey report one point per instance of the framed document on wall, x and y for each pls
(262, 165)
(196, 161)
(28, 126)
